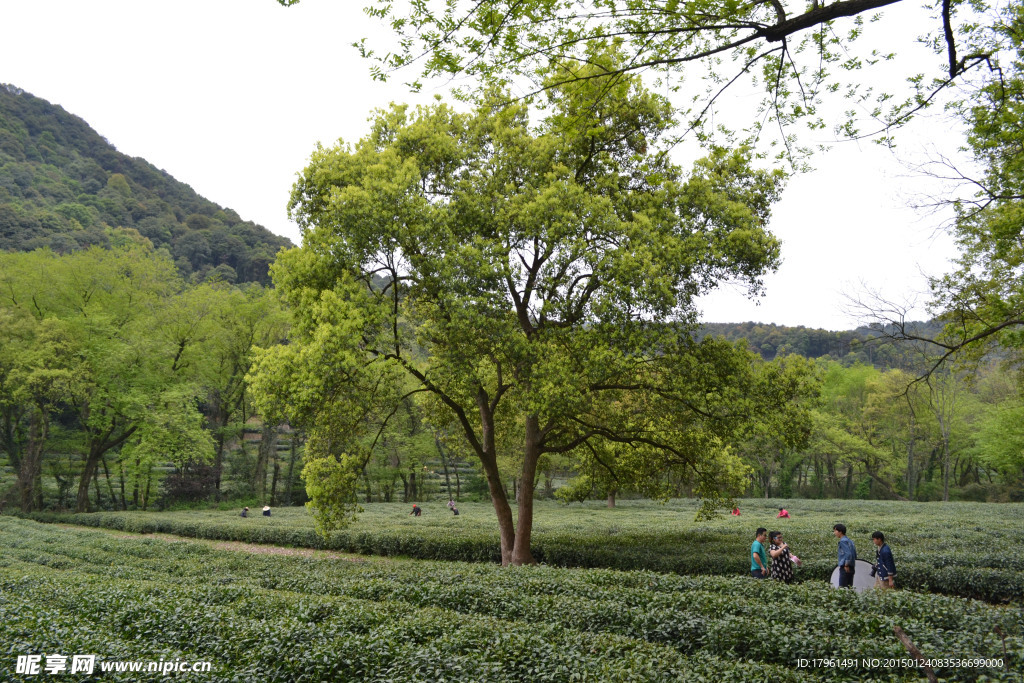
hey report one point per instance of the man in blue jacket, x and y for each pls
(884, 570)
(847, 558)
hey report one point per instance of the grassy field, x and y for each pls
(965, 549)
(264, 617)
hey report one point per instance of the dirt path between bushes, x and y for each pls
(233, 546)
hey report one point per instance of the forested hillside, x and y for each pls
(64, 186)
(862, 345)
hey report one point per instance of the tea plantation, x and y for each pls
(971, 550)
(263, 617)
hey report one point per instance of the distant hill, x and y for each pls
(862, 345)
(62, 185)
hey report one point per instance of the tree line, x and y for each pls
(123, 386)
(114, 369)
(886, 434)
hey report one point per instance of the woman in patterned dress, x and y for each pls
(782, 566)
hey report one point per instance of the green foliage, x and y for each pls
(63, 186)
(982, 301)
(112, 346)
(808, 59)
(330, 482)
(174, 431)
(539, 283)
(891, 435)
(1000, 438)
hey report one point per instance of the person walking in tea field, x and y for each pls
(847, 556)
(758, 556)
(884, 570)
(782, 565)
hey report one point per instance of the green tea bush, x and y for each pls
(280, 618)
(963, 549)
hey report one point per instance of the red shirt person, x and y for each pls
(783, 513)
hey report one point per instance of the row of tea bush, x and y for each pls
(291, 618)
(961, 549)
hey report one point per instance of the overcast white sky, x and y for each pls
(230, 97)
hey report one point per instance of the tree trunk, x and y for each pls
(910, 457)
(291, 469)
(882, 483)
(273, 482)
(945, 469)
(524, 496)
(444, 463)
(110, 485)
(124, 499)
(98, 445)
(506, 528)
(218, 456)
(32, 461)
(833, 475)
(92, 461)
(369, 487)
(489, 460)
(218, 465)
(611, 498)
(99, 498)
(8, 441)
(268, 442)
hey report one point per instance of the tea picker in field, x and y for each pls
(244, 513)
(846, 558)
(416, 510)
(884, 570)
(783, 514)
(266, 510)
(758, 556)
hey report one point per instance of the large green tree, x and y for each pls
(549, 272)
(99, 338)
